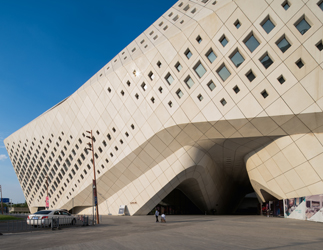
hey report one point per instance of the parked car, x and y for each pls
(44, 217)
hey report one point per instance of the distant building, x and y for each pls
(215, 99)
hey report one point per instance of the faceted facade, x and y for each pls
(216, 98)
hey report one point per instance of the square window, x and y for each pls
(224, 41)
(223, 72)
(237, 58)
(128, 83)
(144, 86)
(251, 42)
(283, 44)
(159, 64)
(300, 63)
(250, 75)
(236, 89)
(179, 93)
(264, 94)
(286, 5)
(178, 66)
(170, 104)
(169, 78)
(211, 56)
(189, 82)
(319, 45)
(281, 79)
(266, 60)
(320, 4)
(137, 96)
(302, 25)
(151, 75)
(152, 100)
(200, 97)
(199, 69)
(122, 92)
(211, 85)
(223, 102)
(237, 24)
(188, 54)
(267, 25)
(199, 39)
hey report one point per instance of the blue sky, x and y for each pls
(48, 49)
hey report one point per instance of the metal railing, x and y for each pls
(29, 225)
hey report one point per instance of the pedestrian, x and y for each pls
(156, 214)
(163, 218)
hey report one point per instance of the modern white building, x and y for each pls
(215, 99)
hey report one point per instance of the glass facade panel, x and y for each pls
(211, 56)
(224, 73)
(303, 26)
(237, 59)
(252, 43)
(283, 45)
(200, 70)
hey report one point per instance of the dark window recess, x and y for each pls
(250, 75)
(96, 156)
(211, 85)
(281, 79)
(128, 83)
(199, 39)
(286, 5)
(319, 45)
(188, 54)
(237, 24)
(300, 63)
(267, 25)
(159, 64)
(251, 42)
(283, 44)
(100, 150)
(302, 25)
(127, 134)
(237, 58)
(223, 40)
(236, 89)
(109, 137)
(114, 130)
(223, 72)
(266, 61)
(264, 94)
(132, 126)
(223, 102)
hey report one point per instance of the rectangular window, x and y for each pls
(283, 44)
(251, 42)
(267, 25)
(169, 78)
(211, 85)
(250, 75)
(237, 24)
(178, 66)
(189, 82)
(302, 25)
(319, 45)
(179, 93)
(223, 40)
(237, 58)
(266, 60)
(188, 54)
(286, 5)
(199, 69)
(223, 72)
(281, 79)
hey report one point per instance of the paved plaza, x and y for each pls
(180, 232)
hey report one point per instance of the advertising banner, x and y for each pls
(314, 208)
(295, 208)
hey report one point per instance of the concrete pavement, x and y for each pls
(180, 232)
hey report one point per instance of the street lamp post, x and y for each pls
(95, 197)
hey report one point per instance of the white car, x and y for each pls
(44, 217)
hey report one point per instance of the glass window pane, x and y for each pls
(224, 41)
(211, 85)
(178, 67)
(252, 43)
(303, 26)
(224, 73)
(250, 76)
(286, 5)
(189, 82)
(268, 26)
(188, 54)
(283, 45)
(237, 59)
(211, 56)
(321, 5)
(179, 93)
(169, 79)
(200, 70)
(266, 61)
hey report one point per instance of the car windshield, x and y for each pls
(43, 212)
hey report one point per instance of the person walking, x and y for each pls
(156, 214)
